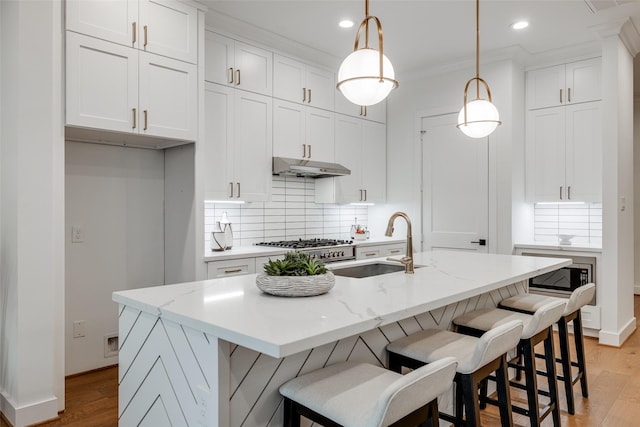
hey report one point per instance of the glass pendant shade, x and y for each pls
(482, 118)
(359, 77)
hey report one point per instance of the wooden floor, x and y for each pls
(613, 374)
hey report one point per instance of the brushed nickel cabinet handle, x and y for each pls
(361, 110)
(560, 192)
(569, 98)
(235, 270)
(394, 251)
(361, 194)
(146, 121)
(145, 35)
(231, 189)
(365, 111)
(230, 75)
(238, 77)
(371, 254)
(365, 195)
(133, 110)
(238, 188)
(309, 151)
(304, 150)
(134, 31)
(560, 96)
(569, 192)
(309, 96)
(304, 94)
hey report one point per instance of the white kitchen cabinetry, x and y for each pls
(231, 267)
(380, 250)
(119, 88)
(377, 112)
(301, 83)
(360, 146)
(240, 65)
(237, 144)
(166, 27)
(564, 153)
(302, 132)
(565, 84)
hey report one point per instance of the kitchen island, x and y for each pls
(214, 352)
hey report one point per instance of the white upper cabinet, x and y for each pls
(236, 64)
(117, 88)
(301, 132)
(377, 112)
(360, 146)
(237, 144)
(164, 27)
(565, 84)
(303, 84)
(564, 154)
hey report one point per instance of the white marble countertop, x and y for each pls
(235, 310)
(576, 247)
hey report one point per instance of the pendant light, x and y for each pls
(479, 117)
(366, 76)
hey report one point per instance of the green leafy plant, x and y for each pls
(295, 264)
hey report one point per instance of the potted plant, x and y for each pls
(296, 275)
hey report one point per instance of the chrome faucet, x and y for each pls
(407, 260)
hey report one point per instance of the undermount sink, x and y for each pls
(368, 270)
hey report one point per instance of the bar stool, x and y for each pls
(363, 395)
(529, 303)
(537, 328)
(477, 359)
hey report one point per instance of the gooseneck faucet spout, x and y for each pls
(407, 260)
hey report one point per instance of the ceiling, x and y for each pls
(427, 33)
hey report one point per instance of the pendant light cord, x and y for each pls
(477, 48)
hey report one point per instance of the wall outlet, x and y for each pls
(111, 345)
(78, 329)
(77, 234)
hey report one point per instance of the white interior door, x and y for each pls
(455, 187)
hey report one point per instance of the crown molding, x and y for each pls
(625, 30)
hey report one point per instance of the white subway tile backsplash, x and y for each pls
(291, 214)
(583, 221)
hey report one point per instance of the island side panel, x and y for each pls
(256, 377)
(170, 374)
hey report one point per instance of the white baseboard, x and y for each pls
(616, 339)
(33, 413)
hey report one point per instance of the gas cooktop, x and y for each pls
(306, 243)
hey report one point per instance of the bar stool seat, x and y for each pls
(537, 328)
(477, 359)
(354, 394)
(529, 303)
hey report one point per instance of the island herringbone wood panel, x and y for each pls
(614, 392)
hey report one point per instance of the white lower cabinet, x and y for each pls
(231, 267)
(118, 88)
(382, 250)
(237, 144)
(360, 146)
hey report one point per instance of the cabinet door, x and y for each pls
(584, 152)
(217, 146)
(110, 20)
(102, 84)
(169, 28)
(374, 165)
(252, 146)
(289, 79)
(289, 136)
(583, 81)
(348, 146)
(320, 88)
(253, 69)
(168, 97)
(319, 134)
(545, 87)
(218, 58)
(545, 155)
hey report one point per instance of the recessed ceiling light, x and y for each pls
(346, 23)
(520, 25)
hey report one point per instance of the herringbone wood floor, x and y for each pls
(613, 374)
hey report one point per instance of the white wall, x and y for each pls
(31, 197)
(636, 170)
(116, 195)
(425, 94)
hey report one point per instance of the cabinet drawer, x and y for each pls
(228, 268)
(377, 251)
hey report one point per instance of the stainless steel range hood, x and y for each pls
(310, 168)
